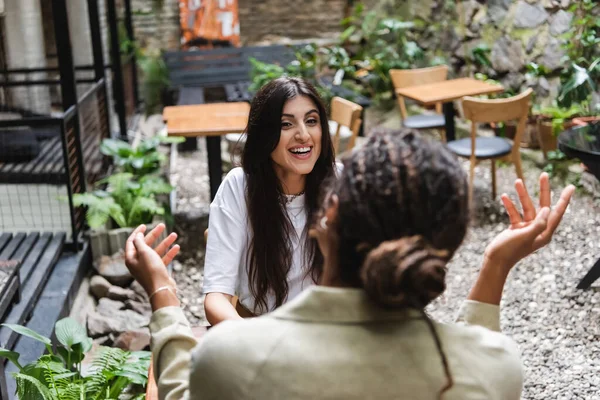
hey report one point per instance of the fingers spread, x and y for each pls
(526, 203)
(545, 195)
(513, 213)
(560, 208)
(129, 246)
(165, 244)
(140, 244)
(154, 234)
(171, 254)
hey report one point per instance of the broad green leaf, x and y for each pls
(172, 139)
(12, 356)
(22, 330)
(70, 332)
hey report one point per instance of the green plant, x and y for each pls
(579, 84)
(580, 77)
(480, 55)
(154, 77)
(126, 202)
(557, 115)
(141, 160)
(57, 375)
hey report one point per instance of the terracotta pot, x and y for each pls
(530, 137)
(509, 131)
(547, 139)
(582, 121)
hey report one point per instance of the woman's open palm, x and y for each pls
(532, 230)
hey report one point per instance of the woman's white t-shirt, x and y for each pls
(228, 240)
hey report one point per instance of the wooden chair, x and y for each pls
(402, 78)
(491, 148)
(344, 122)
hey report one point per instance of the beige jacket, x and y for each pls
(332, 343)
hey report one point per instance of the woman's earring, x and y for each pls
(323, 223)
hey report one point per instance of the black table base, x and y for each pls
(215, 164)
(449, 114)
(591, 277)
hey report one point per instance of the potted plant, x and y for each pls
(127, 202)
(61, 373)
(552, 120)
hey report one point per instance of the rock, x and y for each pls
(120, 294)
(507, 55)
(134, 340)
(560, 22)
(497, 10)
(529, 16)
(139, 307)
(107, 306)
(103, 340)
(553, 54)
(140, 293)
(469, 9)
(114, 269)
(99, 286)
(190, 226)
(119, 321)
(513, 80)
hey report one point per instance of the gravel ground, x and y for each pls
(556, 326)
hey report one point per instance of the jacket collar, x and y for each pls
(338, 305)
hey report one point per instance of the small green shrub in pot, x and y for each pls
(142, 160)
(126, 203)
(58, 375)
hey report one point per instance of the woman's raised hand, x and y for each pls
(147, 264)
(530, 231)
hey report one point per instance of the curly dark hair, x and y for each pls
(269, 255)
(403, 212)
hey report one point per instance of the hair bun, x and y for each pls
(406, 272)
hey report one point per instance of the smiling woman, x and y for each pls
(258, 248)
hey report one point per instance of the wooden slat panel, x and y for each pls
(43, 257)
(12, 246)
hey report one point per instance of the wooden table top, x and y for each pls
(441, 92)
(213, 119)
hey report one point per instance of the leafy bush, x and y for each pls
(141, 160)
(127, 202)
(57, 375)
(360, 59)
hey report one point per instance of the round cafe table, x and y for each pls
(583, 142)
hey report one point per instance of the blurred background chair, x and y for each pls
(491, 148)
(402, 78)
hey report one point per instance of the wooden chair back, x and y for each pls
(345, 113)
(402, 78)
(498, 110)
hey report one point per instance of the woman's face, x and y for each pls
(299, 145)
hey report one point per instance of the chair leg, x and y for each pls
(471, 180)
(442, 132)
(493, 179)
(518, 167)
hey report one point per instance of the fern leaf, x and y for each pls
(30, 388)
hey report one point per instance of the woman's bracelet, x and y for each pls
(160, 289)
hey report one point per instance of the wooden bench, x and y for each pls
(49, 165)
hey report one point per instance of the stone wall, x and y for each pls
(268, 20)
(517, 31)
(158, 30)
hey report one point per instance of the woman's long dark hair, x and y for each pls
(403, 212)
(269, 256)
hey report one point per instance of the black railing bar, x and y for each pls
(31, 121)
(48, 69)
